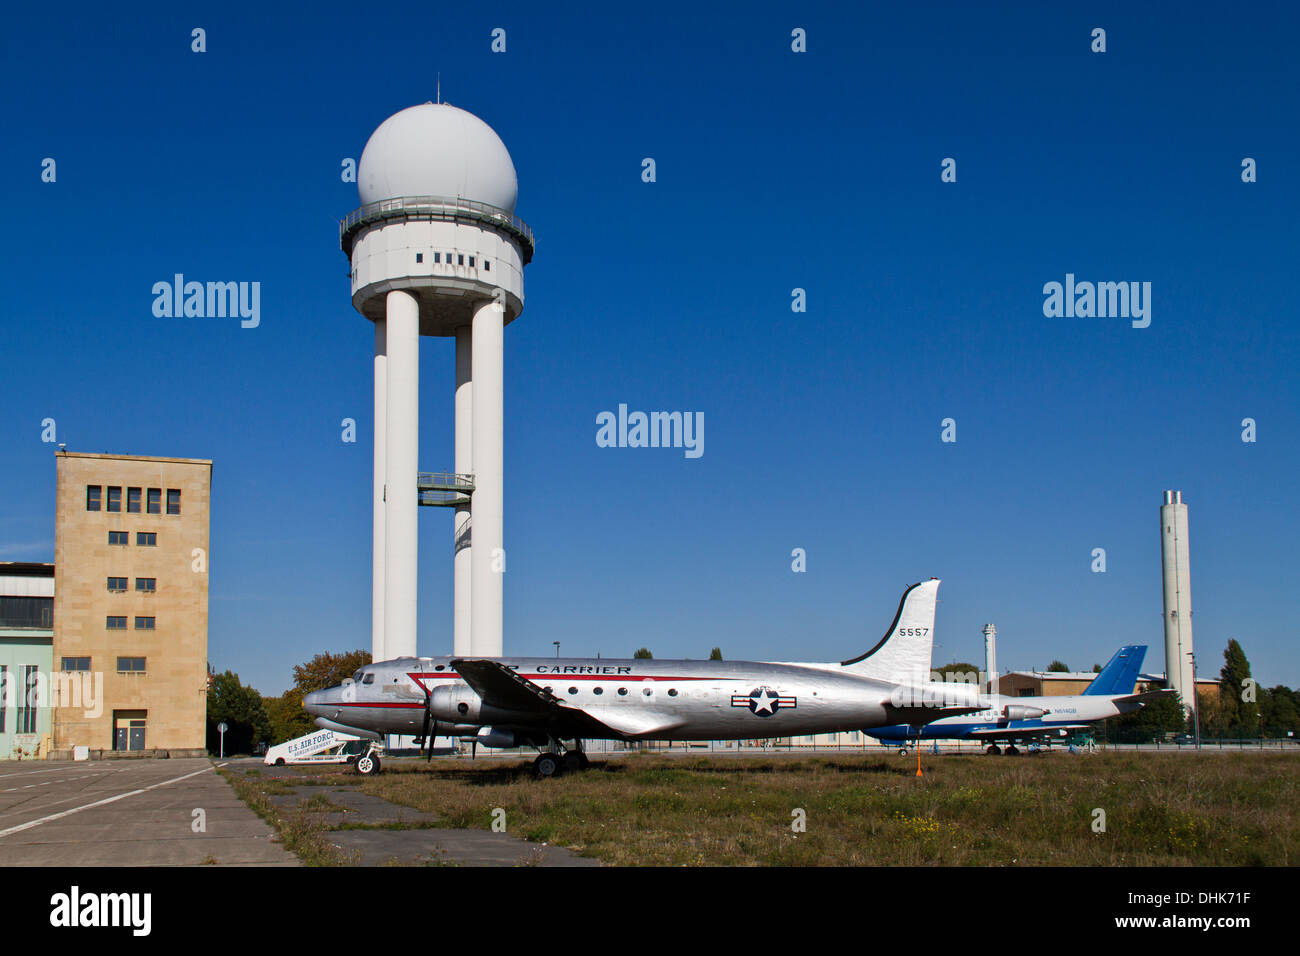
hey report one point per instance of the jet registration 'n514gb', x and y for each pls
(544, 702)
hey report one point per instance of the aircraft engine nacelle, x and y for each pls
(1021, 712)
(492, 737)
(456, 704)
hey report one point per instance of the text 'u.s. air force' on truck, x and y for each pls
(555, 704)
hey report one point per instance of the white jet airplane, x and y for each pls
(1013, 720)
(541, 702)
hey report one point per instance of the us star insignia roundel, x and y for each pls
(763, 701)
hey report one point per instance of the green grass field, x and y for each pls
(1159, 809)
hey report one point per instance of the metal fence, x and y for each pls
(437, 209)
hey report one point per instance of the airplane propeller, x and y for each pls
(428, 726)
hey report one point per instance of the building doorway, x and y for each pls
(129, 729)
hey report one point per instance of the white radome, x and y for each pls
(435, 149)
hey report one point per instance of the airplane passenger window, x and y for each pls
(598, 690)
(622, 691)
(647, 691)
(573, 690)
(672, 692)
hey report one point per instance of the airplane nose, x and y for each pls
(317, 701)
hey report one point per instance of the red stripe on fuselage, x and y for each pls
(612, 678)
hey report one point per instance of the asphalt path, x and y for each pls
(128, 813)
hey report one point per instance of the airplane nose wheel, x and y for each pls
(367, 765)
(548, 765)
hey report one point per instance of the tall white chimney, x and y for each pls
(1174, 554)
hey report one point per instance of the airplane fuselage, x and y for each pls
(1062, 715)
(681, 700)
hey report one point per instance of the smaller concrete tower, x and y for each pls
(1174, 552)
(991, 657)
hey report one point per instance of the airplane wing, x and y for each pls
(1014, 733)
(921, 715)
(502, 687)
(1144, 698)
(919, 705)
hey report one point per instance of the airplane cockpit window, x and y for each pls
(356, 676)
(370, 679)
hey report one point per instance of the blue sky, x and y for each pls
(775, 171)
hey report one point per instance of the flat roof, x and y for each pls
(108, 457)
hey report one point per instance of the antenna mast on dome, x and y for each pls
(439, 89)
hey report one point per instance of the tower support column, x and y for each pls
(487, 556)
(462, 531)
(377, 592)
(401, 455)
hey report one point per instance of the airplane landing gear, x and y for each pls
(993, 749)
(547, 765)
(560, 759)
(367, 764)
(575, 760)
(1011, 750)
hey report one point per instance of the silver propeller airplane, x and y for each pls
(542, 702)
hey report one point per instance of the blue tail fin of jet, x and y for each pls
(1119, 676)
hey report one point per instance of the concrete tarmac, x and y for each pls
(128, 813)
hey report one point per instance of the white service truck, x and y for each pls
(325, 746)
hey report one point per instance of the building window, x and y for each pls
(116, 622)
(144, 623)
(130, 665)
(419, 257)
(34, 612)
(117, 584)
(93, 493)
(29, 677)
(76, 664)
(119, 537)
(133, 500)
(437, 257)
(153, 501)
(114, 498)
(471, 262)
(487, 265)
(146, 584)
(460, 259)
(146, 539)
(173, 501)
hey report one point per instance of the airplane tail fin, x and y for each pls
(903, 654)
(1118, 676)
